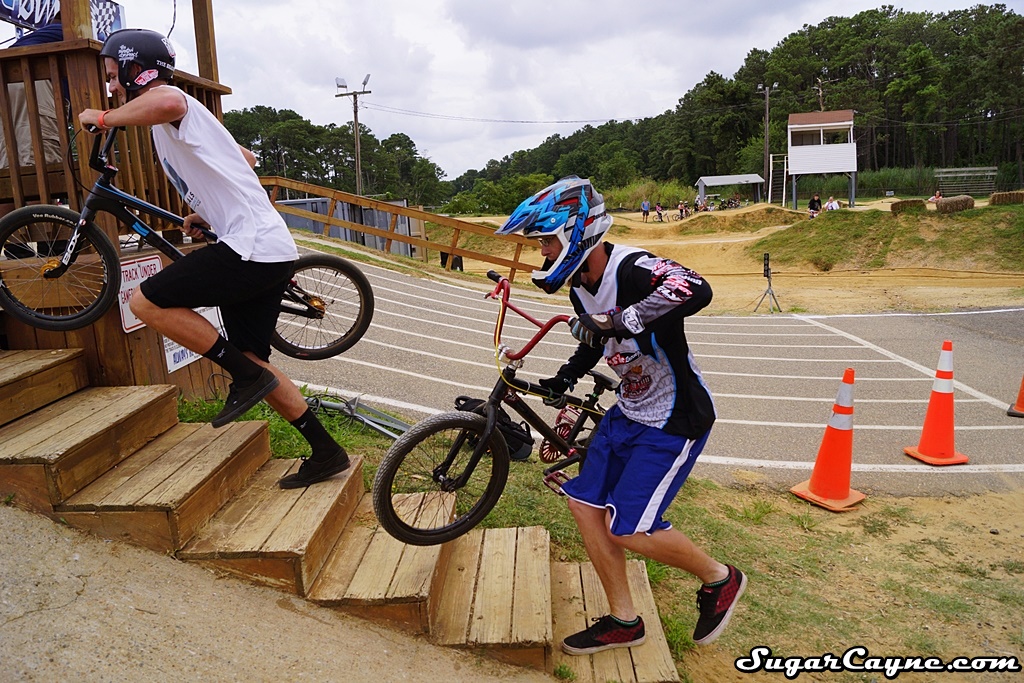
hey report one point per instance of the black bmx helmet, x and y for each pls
(150, 50)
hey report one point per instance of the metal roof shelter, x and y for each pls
(707, 181)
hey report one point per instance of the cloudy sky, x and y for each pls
(473, 80)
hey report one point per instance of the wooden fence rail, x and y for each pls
(458, 227)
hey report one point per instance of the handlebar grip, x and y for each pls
(208, 234)
(91, 128)
(493, 276)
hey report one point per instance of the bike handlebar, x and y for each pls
(99, 160)
(501, 292)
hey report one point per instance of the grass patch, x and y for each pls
(817, 582)
(564, 672)
(743, 221)
(885, 521)
(988, 237)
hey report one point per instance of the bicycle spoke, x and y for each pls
(426, 490)
(30, 250)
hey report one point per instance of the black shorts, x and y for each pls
(248, 293)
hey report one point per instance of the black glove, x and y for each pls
(557, 386)
(592, 330)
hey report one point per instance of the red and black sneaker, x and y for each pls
(716, 603)
(606, 632)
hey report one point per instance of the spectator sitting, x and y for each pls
(935, 197)
(814, 206)
(832, 204)
(52, 32)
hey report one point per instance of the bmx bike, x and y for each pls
(441, 478)
(59, 271)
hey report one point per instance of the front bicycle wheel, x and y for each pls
(426, 492)
(327, 308)
(32, 241)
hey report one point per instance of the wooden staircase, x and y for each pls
(115, 461)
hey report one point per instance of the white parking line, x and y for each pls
(909, 363)
(803, 465)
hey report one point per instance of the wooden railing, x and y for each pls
(454, 246)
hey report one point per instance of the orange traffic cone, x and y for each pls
(829, 485)
(1017, 409)
(936, 446)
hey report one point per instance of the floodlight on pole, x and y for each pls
(342, 85)
(766, 92)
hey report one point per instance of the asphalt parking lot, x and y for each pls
(774, 378)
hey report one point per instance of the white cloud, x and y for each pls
(535, 60)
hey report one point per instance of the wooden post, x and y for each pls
(76, 19)
(206, 43)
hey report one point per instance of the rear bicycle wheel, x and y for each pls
(326, 309)
(414, 493)
(32, 242)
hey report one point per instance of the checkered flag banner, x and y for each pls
(107, 17)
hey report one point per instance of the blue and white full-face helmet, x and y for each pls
(571, 210)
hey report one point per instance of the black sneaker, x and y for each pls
(605, 634)
(716, 604)
(240, 399)
(311, 471)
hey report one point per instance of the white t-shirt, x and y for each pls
(205, 164)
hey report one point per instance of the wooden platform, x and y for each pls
(32, 379)
(373, 575)
(279, 537)
(68, 444)
(496, 595)
(578, 598)
(159, 496)
(114, 461)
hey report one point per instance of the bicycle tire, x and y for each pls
(341, 293)
(411, 504)
(32, 240)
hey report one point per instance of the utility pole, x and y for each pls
(340, 82)
(767, 167)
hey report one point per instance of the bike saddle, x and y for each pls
(602, 381)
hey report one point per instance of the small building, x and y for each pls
(822, 142)
(704, 182)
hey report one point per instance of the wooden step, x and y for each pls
(279, 537)
(30, 380)
(496, 595)
(578, 598)
(51, 454)
(371, 574)
(159, 496)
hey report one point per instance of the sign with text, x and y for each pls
(107, 16)
(133, 272)
(177, 355)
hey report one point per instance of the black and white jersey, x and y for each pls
(661, 385)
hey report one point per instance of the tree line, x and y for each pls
(287, 145)
(928, 90)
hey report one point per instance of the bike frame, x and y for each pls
(508, 390)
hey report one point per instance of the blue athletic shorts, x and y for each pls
(634, 471)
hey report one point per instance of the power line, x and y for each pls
(450, 117)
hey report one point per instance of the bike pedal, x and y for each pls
(555, 480)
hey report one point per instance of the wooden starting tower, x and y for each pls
(74, 73)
